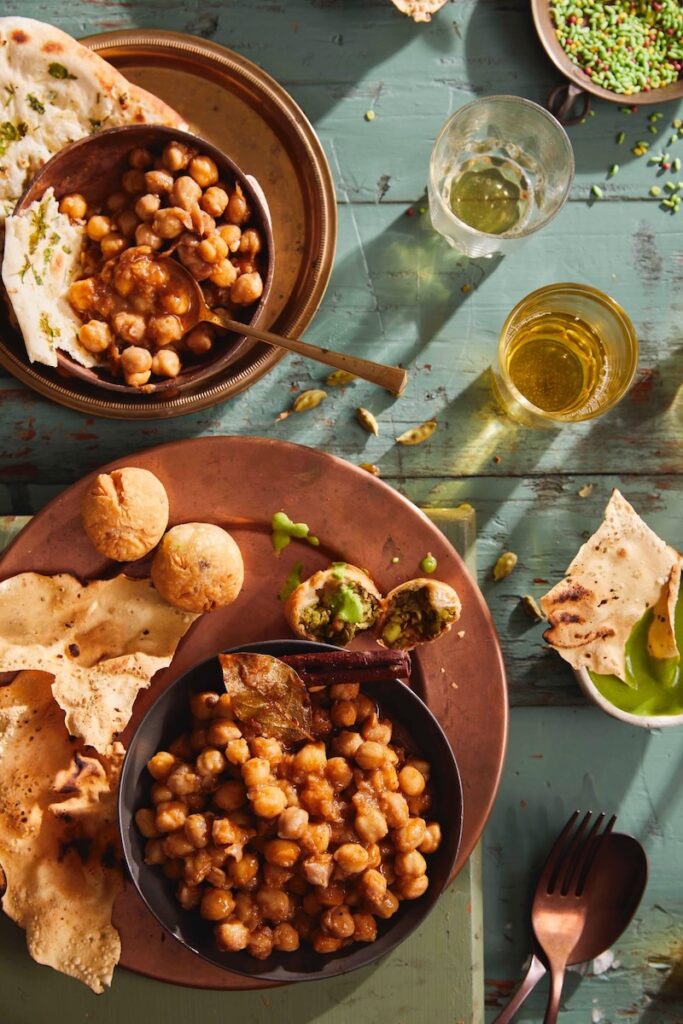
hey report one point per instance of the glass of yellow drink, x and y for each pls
(567, 353)
(500, 169)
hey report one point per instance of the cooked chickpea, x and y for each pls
(154, 853)
(231, 936)
(310, 759)
(351, 857)
(432, 839)
(217, 878)
(324, 943)
(144, 235)
(166, 363)
(377, 730)
(246, 289)
(82, 294)
(199, 340)
(238, 210)
(216, 904)
(158, 182)
(210, 762)
(274, 904)
(318, 798)
(373, 884)
(134, 181)
(365, 708)
(411, 863)
(256, 771)
(95, 336)
(160, 793)
(212, 249)
(140, 158)
(145, 819)
(185, 192)
(374, 855)
(204, 171)
(202, 704)
(170, 816)
(275, 877)
(176, 156)
(411, 781)
(282, 852)
(231, 235)
(386, 906)
(344, 691)
(347, 743)
(188, 896)
(266, 747)
(131, 327)
(371, 754)
(339, 773)
(196, 802)
(338, 921)
(343, 713)
(365, 928)
(230, 795)
(411, 887)
(243, 872)
(260, 944)
(285, 938)
(170, 223)
(112, 245)
(371, 825)
(175, 302)
(221, 731)
(250, 242)
(177, 845)
(97, 227)
(214, 201)
(165, 329)
(135, 359)
(237, 751)
(268, 801)
(292, 823)
(410, 835)
(315, 838)
(197, 830)
(147, 206)
(127, 222)
(223, 274)
(75, 206)
(395, 809)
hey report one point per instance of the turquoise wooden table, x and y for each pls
(399, 294)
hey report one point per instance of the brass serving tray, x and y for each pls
(237, 106)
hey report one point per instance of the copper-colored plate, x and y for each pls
(242, 110)
(543, 21)
(238, 482)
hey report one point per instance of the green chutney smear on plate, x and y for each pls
(654, 685)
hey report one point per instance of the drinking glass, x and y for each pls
(567, 353)
(512, 166)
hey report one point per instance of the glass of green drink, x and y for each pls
(500, 169)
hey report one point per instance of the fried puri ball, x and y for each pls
(333, 604)
(125, 513)
(198, 567)
(417, 612)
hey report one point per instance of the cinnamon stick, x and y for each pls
(328, 668)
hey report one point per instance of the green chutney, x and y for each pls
(654, 686)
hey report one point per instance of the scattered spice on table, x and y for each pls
(370, 115)
(504, 565)
(626, 46)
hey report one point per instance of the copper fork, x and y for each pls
(559, 911)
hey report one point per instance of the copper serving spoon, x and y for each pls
(618, 876)
(393, 378)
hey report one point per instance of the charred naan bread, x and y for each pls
(53, 91)
(58, 835)
(620, 572)
(102, 642)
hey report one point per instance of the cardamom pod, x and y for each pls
(371, 468)
(416, 435)
(308, 400)
(530, 606)
(504, 565)
(367, 421)
(339, 378)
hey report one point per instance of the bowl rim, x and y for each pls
(202, 371)
(642, 721)
(366, 953)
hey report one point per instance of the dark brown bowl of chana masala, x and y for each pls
(130, 200)
(289, 830)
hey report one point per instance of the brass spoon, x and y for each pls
(393, 378)
(619, 875)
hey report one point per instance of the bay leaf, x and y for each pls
(268, 697)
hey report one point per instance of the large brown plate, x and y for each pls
(238, 482)
(242, 110)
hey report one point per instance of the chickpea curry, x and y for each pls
(276, 844)
(132, 306)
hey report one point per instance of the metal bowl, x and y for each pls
(168, 717)
(93, 167)
(564, 97)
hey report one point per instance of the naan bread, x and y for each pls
(661, 636)
(58, 835)
(42, 249)
(419, 10)
(102, 642)
(620, 572)
(53, 91)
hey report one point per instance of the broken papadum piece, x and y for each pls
(620, 572)
(103, 642)
(58, 835)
